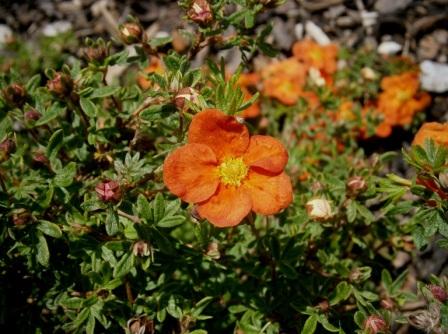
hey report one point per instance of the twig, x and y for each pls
(132, 218)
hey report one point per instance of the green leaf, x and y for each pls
(326, 324)
(90, 326)
(342, 292)
(124, 265)
(171, 221)
(64, 177)
(88, 107)
(49, 229)
(310, 325)
(198, 331)
(43, 254)
(51, 113)
(360, 317)
(237, 309)
(112, 222)
(144, 210)
(351, 211)
(33, 83)
(104, 91)
(418, 234)
(55, 143)
(158, 207)
(173, 309)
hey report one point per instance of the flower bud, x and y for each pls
(185, 94)
(180, 42)
(61, 85)
(131, 33)
(32, 115)
(443, 180)
(319, 209)
(21, 217)
(40, 159)
(141, 248)
(7, 147)
(368, 74)
(213, 251)
(200, 12)
(316, 77)
(438, 293)
(108, 191)
(356, 185)
(96, 53)
(387, 303)
(141, 325)
(14, 95)
(375, 324)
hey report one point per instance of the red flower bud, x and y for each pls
(375, 324)
(6, 148)
(32, 115)
(21, 217)
(131, 33)
(61, 85)
(438, 292)
(387, 303)
(40, 159)
(200, 12)
(14, 95)
(96, 53)
(108, 191)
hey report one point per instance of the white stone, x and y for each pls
(298, 30)
(56, 28)
(5, 34)
(434, 76)
(316, 33)
(389, 48)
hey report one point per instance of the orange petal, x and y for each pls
(190, 172)
(227, 207)
(267, 153)
(269, 194)
(222, 133)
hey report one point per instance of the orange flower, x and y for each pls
(226, 172)
(346, 111)
(433, 130)
(400, 101)
(154, 67)
(322, 57)
(284, 80)
(247, 81)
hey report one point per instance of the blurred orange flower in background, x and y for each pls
(155, 66)
(400, 101)
(248, 82)
(226, 172)
(432, 130)
(311, 54)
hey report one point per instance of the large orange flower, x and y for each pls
(226, 172)
(311, 54)
(400, 101)
(433, 130)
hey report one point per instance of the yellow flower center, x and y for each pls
(404, 95)
(232, 171)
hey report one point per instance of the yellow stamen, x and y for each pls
(232, 171)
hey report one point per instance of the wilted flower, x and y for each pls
(426, 320)
(213, 250)
(185, 94)
(141, 325)
(375, 324)
(356, 184)
(131, 33)
(319, 209)
(200, 12)
(21, 217)
(96, 52)
(141, 248)
(226, 172)
(108, 191)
